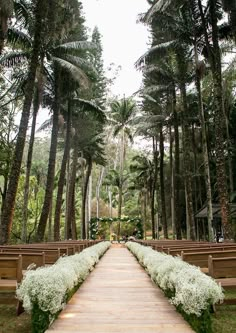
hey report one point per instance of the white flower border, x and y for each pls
(48, 286)
(193, 290)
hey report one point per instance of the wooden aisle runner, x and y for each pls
(119, 296)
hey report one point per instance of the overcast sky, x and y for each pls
(124, 41)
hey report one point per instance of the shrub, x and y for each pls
(190, 290)
(44, 291)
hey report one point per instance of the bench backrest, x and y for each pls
(38, 259)
(222, 267)
(51, 255)
(175, 252)
(201, 258)
(11, 268)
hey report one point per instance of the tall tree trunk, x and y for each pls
(155, 160)
(172, 185)
(84, 196)
(120, 194)
(176, 168)
(99, 184)
(6, 11)
(162, 185)
(50, 224)
(72, 216)
(8, 211)
(215, 63)
(52, 161)
(186, 146)
(205, 152)
(89, 203)
(71, 180)
(61, 181)
(36, 105)
(204, 133)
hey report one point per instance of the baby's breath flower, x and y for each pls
(48, 286)
(193, 290)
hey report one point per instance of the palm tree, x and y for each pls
(121, 117)
(144, 179)
(8, 211)
(6, 11)
(76, 108)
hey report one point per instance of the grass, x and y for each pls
(224, 320)
(11, 323)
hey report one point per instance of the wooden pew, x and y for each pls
(223, 270)
(36, 258)
(10, 276)
(200, 259)
(51, 254)
(178, 251)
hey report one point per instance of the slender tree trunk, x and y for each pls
(162, 185)
(205, 152)
(177, 169)
(52, 161)
(188, 227)
(220, 128)
(120, 194)
(71, 189)
(84, 196)
(89, 202)
(186, 146)
(155, 160)
(99, 184)
(36, 105)
(8, 212)
(172, 185)
(215, 63)
(72, 216)
(50, 224)
(61, 181)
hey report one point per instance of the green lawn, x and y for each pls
(224, 320)
(10, 323)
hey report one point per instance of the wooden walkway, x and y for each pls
(119, 296)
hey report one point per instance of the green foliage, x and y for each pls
(94, 224)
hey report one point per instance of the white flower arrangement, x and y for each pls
(193, 290)
(48, 286)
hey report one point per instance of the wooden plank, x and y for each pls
(119, 296)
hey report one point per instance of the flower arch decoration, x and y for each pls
(94, 224)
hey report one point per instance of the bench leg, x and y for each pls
(19, 308)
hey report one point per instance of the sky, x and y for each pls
(123, 40)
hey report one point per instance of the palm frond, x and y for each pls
(90, 106)
(160, 49)
(23, 12)
(81, 63)
(159, 6)
(45, 125)
(75, 48)
(19, 39)
(74, 72)
(14, 58)
(154, 89)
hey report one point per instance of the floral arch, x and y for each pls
(95, 221)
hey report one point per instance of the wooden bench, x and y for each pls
(51, 254)
(36, 258)
(200, 259)
(223, 270)
(10, 276)
(176, 252)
